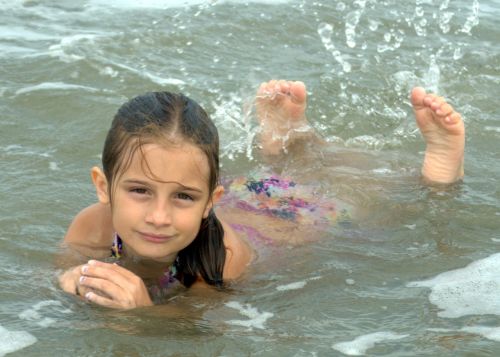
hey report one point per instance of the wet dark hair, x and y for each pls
(158, 117)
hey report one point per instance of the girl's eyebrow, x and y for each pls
(145, 183)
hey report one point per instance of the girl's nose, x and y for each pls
(159, 215)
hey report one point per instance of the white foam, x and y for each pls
(292, 286)
(361, 344)
(50, 86)
(11, 341)
(34, 314)
(491, 333)
(256, 319)
(473, 290)
(492, 128)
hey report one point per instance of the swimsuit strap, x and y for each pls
(169, 274)
(117, 246)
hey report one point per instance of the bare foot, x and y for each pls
(281, 109)
(444, 133)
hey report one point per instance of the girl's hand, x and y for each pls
(69, 281)
(120, 288)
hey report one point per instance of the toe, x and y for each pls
(262, 88)
(417, 96)
(436, 103)
(284, 86)
(445, 109)
(453, 118)
(298, 91)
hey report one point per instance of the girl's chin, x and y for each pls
(155, 258)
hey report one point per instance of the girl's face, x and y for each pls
(160, 200)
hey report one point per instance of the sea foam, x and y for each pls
(256, 319)
(361, 344)
(472, 290)
(38, 313)
(11, 341)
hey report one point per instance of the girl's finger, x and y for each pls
(101, 300)
(106, 271)
(108, 288)
(111, 266)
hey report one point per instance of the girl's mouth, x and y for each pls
(155, 238)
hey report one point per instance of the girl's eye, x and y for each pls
(184, 196)
(138, 190)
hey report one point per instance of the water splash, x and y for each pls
(393, 40)
(444, 21)
(351, 21)
(473, 19)
(237, 129)
(433, 75)
(325, 32)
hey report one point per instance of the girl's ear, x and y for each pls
(101, 184)
(216, 196)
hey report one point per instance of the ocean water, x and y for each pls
(417, 275)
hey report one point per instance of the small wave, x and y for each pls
(361, 344)
(22, 33)
(67, 44)
(168, 4)
(152, 77)
(491, 333)
(11, 341)
(16, 149)
(56, 86)
(292, 286)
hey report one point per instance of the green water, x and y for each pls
(65, 69)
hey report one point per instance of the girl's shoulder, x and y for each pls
(239, 254)
(92, 227)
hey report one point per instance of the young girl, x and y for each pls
(160, 182)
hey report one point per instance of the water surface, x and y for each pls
(372, 288)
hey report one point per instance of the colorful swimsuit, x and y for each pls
(284, 199)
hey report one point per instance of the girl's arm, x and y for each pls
(88, 236)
